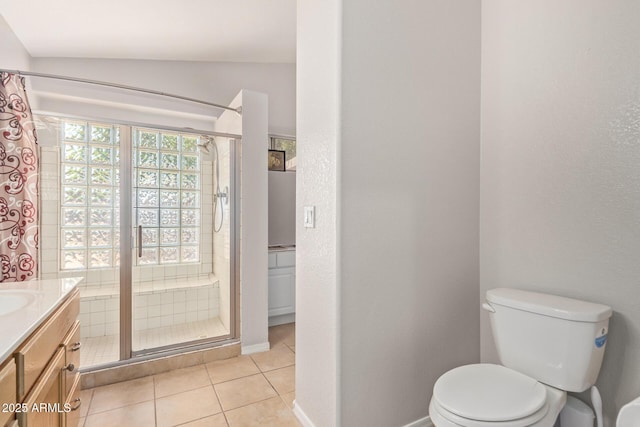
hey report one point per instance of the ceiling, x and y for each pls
(187, 30)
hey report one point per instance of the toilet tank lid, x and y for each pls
(549, 305)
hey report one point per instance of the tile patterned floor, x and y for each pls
(99, 350)
(245, 391)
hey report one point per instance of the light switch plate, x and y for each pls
(309, 217)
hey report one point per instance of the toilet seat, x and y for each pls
(489, 395)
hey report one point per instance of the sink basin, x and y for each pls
(14, 300)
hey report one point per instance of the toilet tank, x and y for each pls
(558, 341)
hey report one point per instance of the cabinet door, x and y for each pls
(33, 355)
(7, 389)
(44, 402)
(71, 345)
(282, 296)
(73, 402)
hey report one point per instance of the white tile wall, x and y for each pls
(155, 305)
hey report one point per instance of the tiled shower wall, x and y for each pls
(222, 239)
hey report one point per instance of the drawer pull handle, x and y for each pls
(76, 346)
(75, 408)
(70, 367)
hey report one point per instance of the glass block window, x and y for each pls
(167, 196)
(89, 196)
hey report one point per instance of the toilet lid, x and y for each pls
(487, 392)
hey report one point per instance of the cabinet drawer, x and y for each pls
(72, 418)
(7, 389)
(286, 258)
(33, 355)
(46, 391)
(71, 345)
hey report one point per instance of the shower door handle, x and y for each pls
(139, 241)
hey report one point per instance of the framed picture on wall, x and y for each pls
(277, 160)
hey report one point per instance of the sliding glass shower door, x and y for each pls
(176, 294)
(145, 216)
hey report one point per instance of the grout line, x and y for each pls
(252, 403)
(155, 407)
(218, 397)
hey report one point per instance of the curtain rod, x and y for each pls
(119, 86)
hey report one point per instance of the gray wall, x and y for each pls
(388, 140)
(388, 144)
(560, 180)
(408, 215)
(282, 208)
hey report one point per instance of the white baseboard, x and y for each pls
(255, 348)
(422, 422)
(301, 416)
(282, 319)
(306, 422)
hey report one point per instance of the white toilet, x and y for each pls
(547, 344)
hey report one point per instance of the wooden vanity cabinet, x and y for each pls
(47, 370)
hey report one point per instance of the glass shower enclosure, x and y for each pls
(146, 216)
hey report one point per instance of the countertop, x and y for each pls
(276, 248)
(43, 297)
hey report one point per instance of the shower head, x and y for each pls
(204, 143)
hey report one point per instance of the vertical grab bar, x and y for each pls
(139, 241)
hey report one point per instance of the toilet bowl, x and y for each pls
(548, 345)
(485, 395)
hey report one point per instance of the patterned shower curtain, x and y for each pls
(18, 183)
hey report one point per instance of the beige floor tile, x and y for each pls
(141, 414)
(231, 369)
(187, 406)
(81, 422)
(282, 334)
(243, 391)
(292, 347)
(85, 400)
(278, 357)
(180, 380)
(215, 421)
(121, 394)
(267, 413)
(288, 399)
(283, 379)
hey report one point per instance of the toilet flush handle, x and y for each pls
(488, 307)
